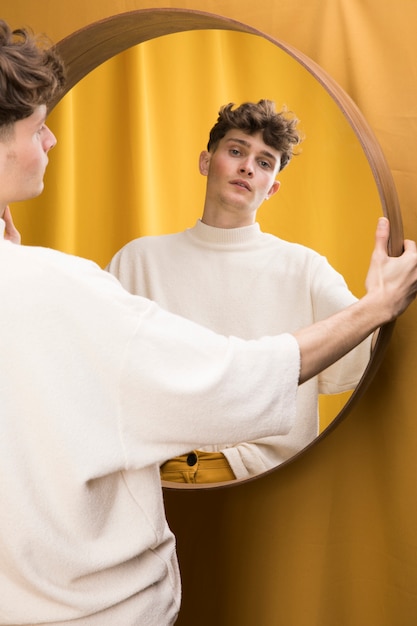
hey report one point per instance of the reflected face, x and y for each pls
(240, 175)
(23, 157)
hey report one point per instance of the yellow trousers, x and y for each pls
(198, 467)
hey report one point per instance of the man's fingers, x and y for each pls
(11, 232)
(382, 234)
(410, 245)
(7, 216)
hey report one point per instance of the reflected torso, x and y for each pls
(249, 284)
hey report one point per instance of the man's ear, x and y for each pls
(273, 189)
(204, 162)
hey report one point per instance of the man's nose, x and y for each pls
(246, 168)
(50, 140)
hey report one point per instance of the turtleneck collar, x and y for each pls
(2, 228)
(214, 235)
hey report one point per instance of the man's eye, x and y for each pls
(235, 151)
(265, 164)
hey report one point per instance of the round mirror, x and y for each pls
(159, 79)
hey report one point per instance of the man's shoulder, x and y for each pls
(290, 247)
(47, 271)
(150, 243)
(33, 257)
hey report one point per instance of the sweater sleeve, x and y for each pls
(184, 386)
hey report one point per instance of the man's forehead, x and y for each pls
(39, 114)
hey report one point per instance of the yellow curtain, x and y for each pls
(130, 133)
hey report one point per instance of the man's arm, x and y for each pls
(391, 286)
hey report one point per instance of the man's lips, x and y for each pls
(241, 183)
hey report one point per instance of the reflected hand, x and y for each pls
(11, 233)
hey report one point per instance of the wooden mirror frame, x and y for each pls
(89, 47)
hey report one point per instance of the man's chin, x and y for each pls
(33, 193)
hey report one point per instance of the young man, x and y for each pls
(99, 387)
(229, 276)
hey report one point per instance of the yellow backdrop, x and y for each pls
(330, 539)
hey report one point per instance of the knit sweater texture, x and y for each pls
(97, 389)
(245, 283)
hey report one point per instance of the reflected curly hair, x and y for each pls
(279, 129)
(31, 74)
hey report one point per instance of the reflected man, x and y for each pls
(228, 275)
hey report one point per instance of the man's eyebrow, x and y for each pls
(247, 144)
(38, 121)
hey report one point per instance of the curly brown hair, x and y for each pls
(279, 129)
(31, 74)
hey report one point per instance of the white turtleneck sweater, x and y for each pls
(245, 283)
(97, 389)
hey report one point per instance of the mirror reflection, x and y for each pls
(132, 132)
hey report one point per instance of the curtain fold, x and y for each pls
(130, 134)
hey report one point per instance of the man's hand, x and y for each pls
(11, 233)
(391, 286)
(394, 279)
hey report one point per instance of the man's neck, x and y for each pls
(222, 219)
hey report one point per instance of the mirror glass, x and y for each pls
(130, 133)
